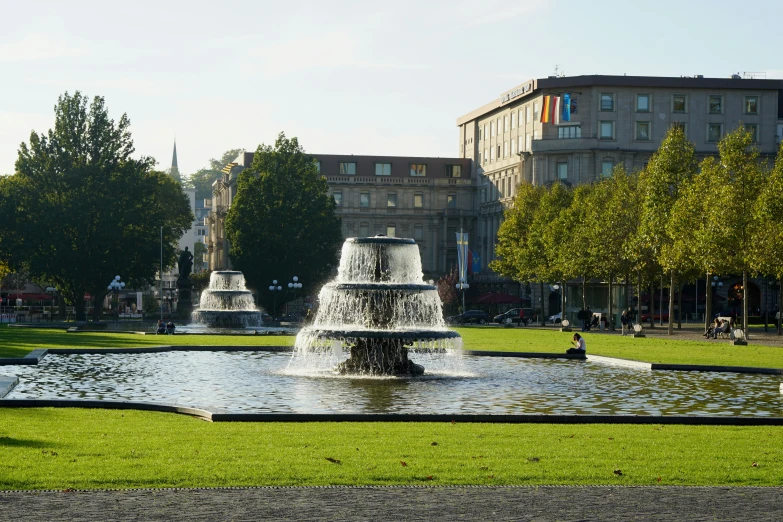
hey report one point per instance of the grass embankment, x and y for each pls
(73, 448)
(17, 342)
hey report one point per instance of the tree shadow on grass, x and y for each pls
(8, 442)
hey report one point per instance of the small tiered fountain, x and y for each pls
(377, 311)
(227, 303)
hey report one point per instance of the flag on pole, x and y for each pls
(545, 110)
(566, 107)
(462, 256)
(556, 111)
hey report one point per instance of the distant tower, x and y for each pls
(174, 170)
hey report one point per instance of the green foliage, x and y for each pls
(149, 304)
(199, 255)
(767, 243)
(202, 179)
(200, 280)
(282, 221)
(515, 258)
(80, 209)
(563, 230)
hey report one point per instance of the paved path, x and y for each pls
(382, 504)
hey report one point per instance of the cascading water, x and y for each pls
(377, 311)
(227, 303)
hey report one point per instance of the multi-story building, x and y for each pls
(613, 120)
(428, 199)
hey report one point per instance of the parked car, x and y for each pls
(555, 319)
(513, 314)
(471, 316)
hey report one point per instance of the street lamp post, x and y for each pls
(294, 285)
(51, 291)
(462, 286)
(115, 286)
(275, 289)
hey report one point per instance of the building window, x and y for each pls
(527, 142)
(418, 169)
(570, 131)
(318, 166)
(364, 200)
(418, 232)
(347, 168)
(606, 130)
(505, 149)
(505, 123)
(527, 114)
(383, 169)
(714, 132)
(481, 134)
(679, 103)
(486, 156)
(607, 101)
(492, 154)
(643, 130)
(498, 156)
(715, 104)
(453, 171)
(642, 103)
(606, 168)
(753, 129)
(535, 111)
(364, 229)
(682, 126)
(338, 198)
(391, 200)
(451, 201)
(751, 104)
(562, 170)
(521, 143)
(486, 134)
(479, 158)
(513, 147)
(499, 125)
(418, 200)
(492, 128)
(512, 118)
(391, 230)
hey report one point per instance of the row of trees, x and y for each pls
(678, 216)
(80, 208)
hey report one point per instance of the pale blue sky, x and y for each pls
(344, 77)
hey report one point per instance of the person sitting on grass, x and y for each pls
(161, 327)
(579, 347)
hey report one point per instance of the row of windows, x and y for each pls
(507, 122)
(391, 230)
(643, 130)
(385, 169)
(391, 199)
(679, 103)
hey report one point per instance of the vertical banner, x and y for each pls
(545, 109)
(567, 107)
(556, 111)
(476, 263)
(462, 256)
(138, 302)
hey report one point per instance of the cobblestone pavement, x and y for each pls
(547, 503)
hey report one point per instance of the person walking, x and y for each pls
(624, 321)
(522, 321)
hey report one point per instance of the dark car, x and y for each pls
(471, 316)
(513, 314)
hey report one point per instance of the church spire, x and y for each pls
(174, 170)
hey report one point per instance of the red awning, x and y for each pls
(498, 298)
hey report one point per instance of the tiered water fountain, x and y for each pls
(227, 303)
(377, 311)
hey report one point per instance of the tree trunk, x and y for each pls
(637, 315)
(627, 291)
(679, 304)
(671, 303)
(610, 322)
(584, 292)
(745, 303)
(78, 307)
(707, 303)
(651, 308)
(542, 320)
(562, 302)
(780, 306)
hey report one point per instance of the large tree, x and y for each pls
(80, 209)
(515, 258)
(282, 222)
(202, 179)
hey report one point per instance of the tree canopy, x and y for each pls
(282, 221)
(80, 209)
(202, 179)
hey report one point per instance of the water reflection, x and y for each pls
(258, 382)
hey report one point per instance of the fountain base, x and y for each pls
(379, 357)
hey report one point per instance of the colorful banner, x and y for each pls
(476, 263)
(462, 256)
(566, 107)
(545, 110)
(556, 111)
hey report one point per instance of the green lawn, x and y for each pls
(76, 448)
(16, 342)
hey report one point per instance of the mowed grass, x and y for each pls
(94, 449)
(17, 342)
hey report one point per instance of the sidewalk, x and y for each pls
(381, 504)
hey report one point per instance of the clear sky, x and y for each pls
(365, 77)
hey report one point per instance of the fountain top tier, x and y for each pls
(380, 259)
(227, 280)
